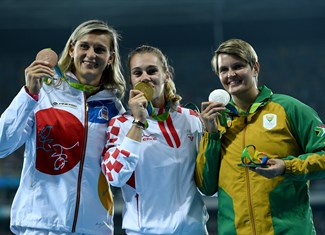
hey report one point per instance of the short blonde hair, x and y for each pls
(236, 47)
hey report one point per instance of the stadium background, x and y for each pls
(288, 36)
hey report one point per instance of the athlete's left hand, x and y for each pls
(275, 168)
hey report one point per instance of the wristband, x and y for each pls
(34, 96)
(140, 124)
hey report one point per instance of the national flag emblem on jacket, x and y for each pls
(269, 121)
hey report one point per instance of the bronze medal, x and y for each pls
(146, 89)
(48, 55)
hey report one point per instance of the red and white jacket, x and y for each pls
(61, 188)
(156, 174)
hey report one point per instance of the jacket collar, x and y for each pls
(261, 100)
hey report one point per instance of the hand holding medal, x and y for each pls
(51, 57)
(220, 96)
(146, 89)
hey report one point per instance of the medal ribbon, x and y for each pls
(79, 86)
(161, 117)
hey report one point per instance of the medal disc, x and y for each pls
(146, 89)
(219, 95)
(48, 55)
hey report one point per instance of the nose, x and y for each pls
(91, 53)
(231, 73)
(145, 77)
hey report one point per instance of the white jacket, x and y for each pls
(156, 175)
(61, 187)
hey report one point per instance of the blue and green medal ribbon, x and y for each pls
(79, 86)
(160, 117)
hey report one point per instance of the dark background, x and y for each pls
(288, 36)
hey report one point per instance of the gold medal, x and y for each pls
(146, 89)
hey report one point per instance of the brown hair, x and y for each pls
(170, 88)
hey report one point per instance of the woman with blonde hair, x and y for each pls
(61, 115)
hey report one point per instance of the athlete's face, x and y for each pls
(147, 67)
(91, 54)
(237, 76)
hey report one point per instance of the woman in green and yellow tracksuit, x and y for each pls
(272, 198)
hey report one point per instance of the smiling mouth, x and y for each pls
(234, 82)
(89, 64)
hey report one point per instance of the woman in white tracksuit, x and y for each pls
(62, 122)
(151, 153)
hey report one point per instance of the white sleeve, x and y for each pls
(16, 123)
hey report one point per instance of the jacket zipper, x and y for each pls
(249, 198)
(81, 167)
(138, 208)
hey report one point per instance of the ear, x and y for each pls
(167, 77)
(256, 68)
(111, 58)
(71, 49)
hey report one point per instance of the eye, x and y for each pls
(100, 49)
(137, 73)
(84, 46)
(223, 70)
(151, 70)
(238, 66)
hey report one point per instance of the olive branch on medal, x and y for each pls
(147, 90)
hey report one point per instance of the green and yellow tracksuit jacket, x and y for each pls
(248, 203)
